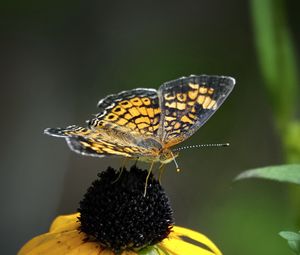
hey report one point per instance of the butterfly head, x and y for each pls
(167, 156)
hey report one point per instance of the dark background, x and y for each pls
(59, 58)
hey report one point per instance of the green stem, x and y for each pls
(277, 59)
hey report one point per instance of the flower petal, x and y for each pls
(87, 248)
(184, 232)
(106, 252)
(65, 222)
(162, 252)
(180, 247)
(67, 242)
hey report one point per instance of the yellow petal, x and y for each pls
(197, 237)
(161, 252)
(180, 247)
(65, 222)
(106, 252)
(88, 248)
(53, 243)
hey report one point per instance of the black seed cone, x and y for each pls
(117, 215)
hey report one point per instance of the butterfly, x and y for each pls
(146, 123)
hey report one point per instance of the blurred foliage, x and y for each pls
(277, 58)
(278, 65)
(276, 54)
(293, 240)
(284, 173)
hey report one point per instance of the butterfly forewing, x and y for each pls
(187, 103)
(134, 110)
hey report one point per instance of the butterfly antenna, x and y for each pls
(176, 165)
(201, 145)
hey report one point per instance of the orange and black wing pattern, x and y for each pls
(126, 125)
(187, 103)
(142, 122)
(90, 142)
(136, 110)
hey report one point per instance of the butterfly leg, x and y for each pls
(147, 178)
(125, 161)
(123, 167)
(137, 159)
(161, 169)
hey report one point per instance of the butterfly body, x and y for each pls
(147, 123)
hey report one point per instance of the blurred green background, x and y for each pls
(58, 58)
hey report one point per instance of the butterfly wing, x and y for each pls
(187, 103)
(126, 125)
(100, 143)
(131, 124)
(136, 110)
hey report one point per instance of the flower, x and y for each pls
(115, 218)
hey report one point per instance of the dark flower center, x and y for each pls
(115, 212)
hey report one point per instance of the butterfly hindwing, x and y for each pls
(68, 131)
(187, 103)
(97, 143)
